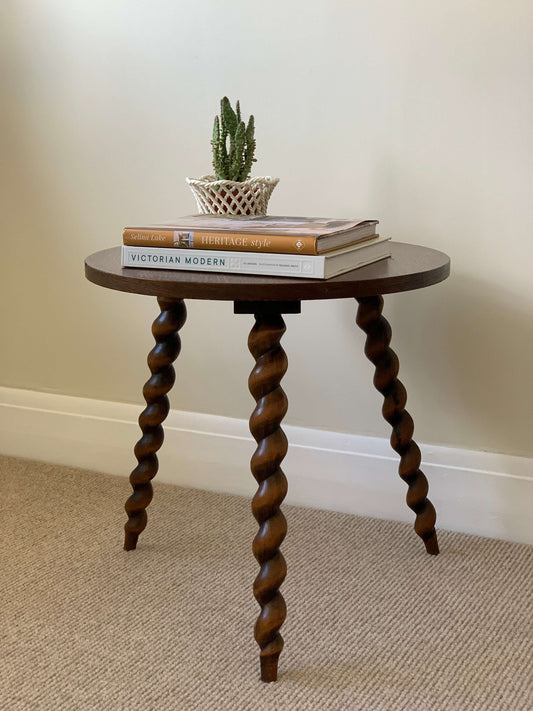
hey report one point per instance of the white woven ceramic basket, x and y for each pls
(228, 197)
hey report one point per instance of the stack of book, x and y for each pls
(308, 247)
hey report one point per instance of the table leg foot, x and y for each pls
(431, 543)
(168, 344)
(269, 668)
(130, 540)
(377, 350)
(264, 384)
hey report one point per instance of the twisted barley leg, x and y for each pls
(165, 330)
(377, 350)
(264, 383)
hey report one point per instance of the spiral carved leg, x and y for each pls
(264, 384)
(377, 350)
(168, 344)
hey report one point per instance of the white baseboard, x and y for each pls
(474, 492)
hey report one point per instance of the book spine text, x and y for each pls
(238, 241)
(219, 261)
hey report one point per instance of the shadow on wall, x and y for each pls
(477, 339)
(489, 346)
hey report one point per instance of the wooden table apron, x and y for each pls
(267, 298)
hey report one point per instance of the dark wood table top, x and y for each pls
(409, 267)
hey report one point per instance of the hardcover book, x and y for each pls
(260, 263)
(265, 233)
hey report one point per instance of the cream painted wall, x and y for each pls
(417, 113)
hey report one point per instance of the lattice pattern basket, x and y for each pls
(228, 197)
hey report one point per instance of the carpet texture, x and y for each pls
(374, 623)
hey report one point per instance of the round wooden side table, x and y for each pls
(267, 298)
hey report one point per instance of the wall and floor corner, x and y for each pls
(417, 115)
(475, 492)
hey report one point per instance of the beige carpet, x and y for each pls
(373, 621)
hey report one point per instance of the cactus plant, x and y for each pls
(229, 190)
(233, 162)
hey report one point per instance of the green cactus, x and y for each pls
(235, 162)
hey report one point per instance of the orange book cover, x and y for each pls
(289, 235)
